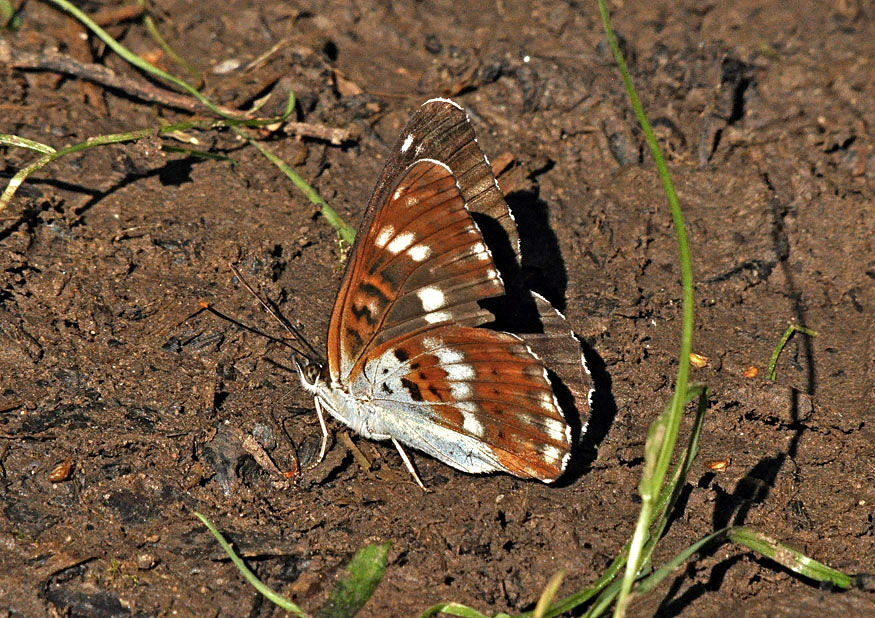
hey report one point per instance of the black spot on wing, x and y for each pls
(374, 291)
(353, 335)
(413, 389)
(364, 312)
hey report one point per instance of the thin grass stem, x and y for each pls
(138, 62)
(152, 29)
(22, 142)
(550, 591)
(269, 594)
(788, 557)
(452, 609)
(346, 232)
(52, 155)
(772, 373)
(664, 432)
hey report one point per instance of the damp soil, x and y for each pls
(765, 111)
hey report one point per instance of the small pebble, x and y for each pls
(146, 562)
(227, 66)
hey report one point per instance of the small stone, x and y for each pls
(227, 66)
(146, 562)
(433, 44)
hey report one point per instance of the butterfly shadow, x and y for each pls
(542, 273)
(543, 269)
(603, 411)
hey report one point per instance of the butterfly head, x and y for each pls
(311, 374)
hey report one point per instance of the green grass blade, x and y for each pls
(789, 557)
(152, 29)
(683, 243)
(662, 511)
(657, 507)
(135, 60)
(550, 591)
(54, 155)
(666, 432)
(760, 543)
(772, 373)
(118, 138)
(364, 573)
(755, 541)
(577, 599)
(452, 609)
(656, 439)
(604, 600)
(22, 142)
(346, 232)
(668, 497)
(654, 579)
(144, 66)
(92, 142)
(269, 594)
(10, 18)
(658, 502)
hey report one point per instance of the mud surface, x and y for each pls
(766, 115)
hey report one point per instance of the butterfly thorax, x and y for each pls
(357, 411)
(354, 411)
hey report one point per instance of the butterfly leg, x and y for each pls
(321, 416)
(408, 464)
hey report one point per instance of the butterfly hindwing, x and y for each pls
(476, 399)
(558, 346)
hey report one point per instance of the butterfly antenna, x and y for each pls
(290, 328)
(205, 306)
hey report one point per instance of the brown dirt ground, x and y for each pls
(766, 111)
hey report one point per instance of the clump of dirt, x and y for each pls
(107, 359)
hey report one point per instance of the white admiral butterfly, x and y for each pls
(408, 359)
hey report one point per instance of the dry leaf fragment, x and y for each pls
(62, 471)
(717, 465)
(345, 86)
(698, 361)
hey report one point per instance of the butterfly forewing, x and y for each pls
(420, 263)
(476, 399)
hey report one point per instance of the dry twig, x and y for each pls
(60, 63)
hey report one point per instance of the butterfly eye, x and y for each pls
(312, 372)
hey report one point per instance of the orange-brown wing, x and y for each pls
(440, 130)
(476, 399)
(420, 262)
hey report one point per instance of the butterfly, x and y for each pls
(408, 357)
